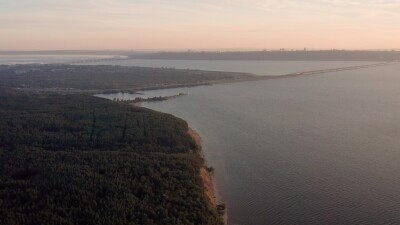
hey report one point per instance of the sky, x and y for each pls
(198, 24)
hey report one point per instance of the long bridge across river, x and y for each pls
(304, 73)
(342, 69)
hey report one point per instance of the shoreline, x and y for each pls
(210, 189)
(237, 78)
(205, 175)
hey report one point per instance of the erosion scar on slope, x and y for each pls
(205, 175)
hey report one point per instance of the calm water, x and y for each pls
(27, 59)
(322, 149)
(254, 67)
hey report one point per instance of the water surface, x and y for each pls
(243, 66)
(28, 59)
(321, 149)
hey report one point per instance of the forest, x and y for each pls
(104, 78)
(78, 159)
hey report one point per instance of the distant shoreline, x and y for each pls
(236, 78)
(252, 77)
(277, 55)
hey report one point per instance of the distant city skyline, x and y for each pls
(198, 25)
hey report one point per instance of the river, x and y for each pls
(321, 149)
(262, 68)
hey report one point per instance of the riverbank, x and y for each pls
(206, 174)
(246, 77)
(141, 78)
(152, 99)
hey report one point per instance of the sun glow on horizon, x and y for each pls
(207, 24)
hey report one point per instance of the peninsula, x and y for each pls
(79, 159)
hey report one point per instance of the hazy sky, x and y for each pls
(198, 24)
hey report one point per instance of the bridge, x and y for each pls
(343, 68)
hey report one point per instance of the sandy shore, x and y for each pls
(206, 176)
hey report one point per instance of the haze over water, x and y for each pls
(260, 67)
(8, 59)
(322, 149)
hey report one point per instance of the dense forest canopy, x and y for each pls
(60, 122)
(76, 159)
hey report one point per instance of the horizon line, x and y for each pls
(201, 50)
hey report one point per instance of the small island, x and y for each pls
(151, 99)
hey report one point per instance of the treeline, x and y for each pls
(74, 159)
(61, 122)
(303, 55)
(152, 99)
(103, 77)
